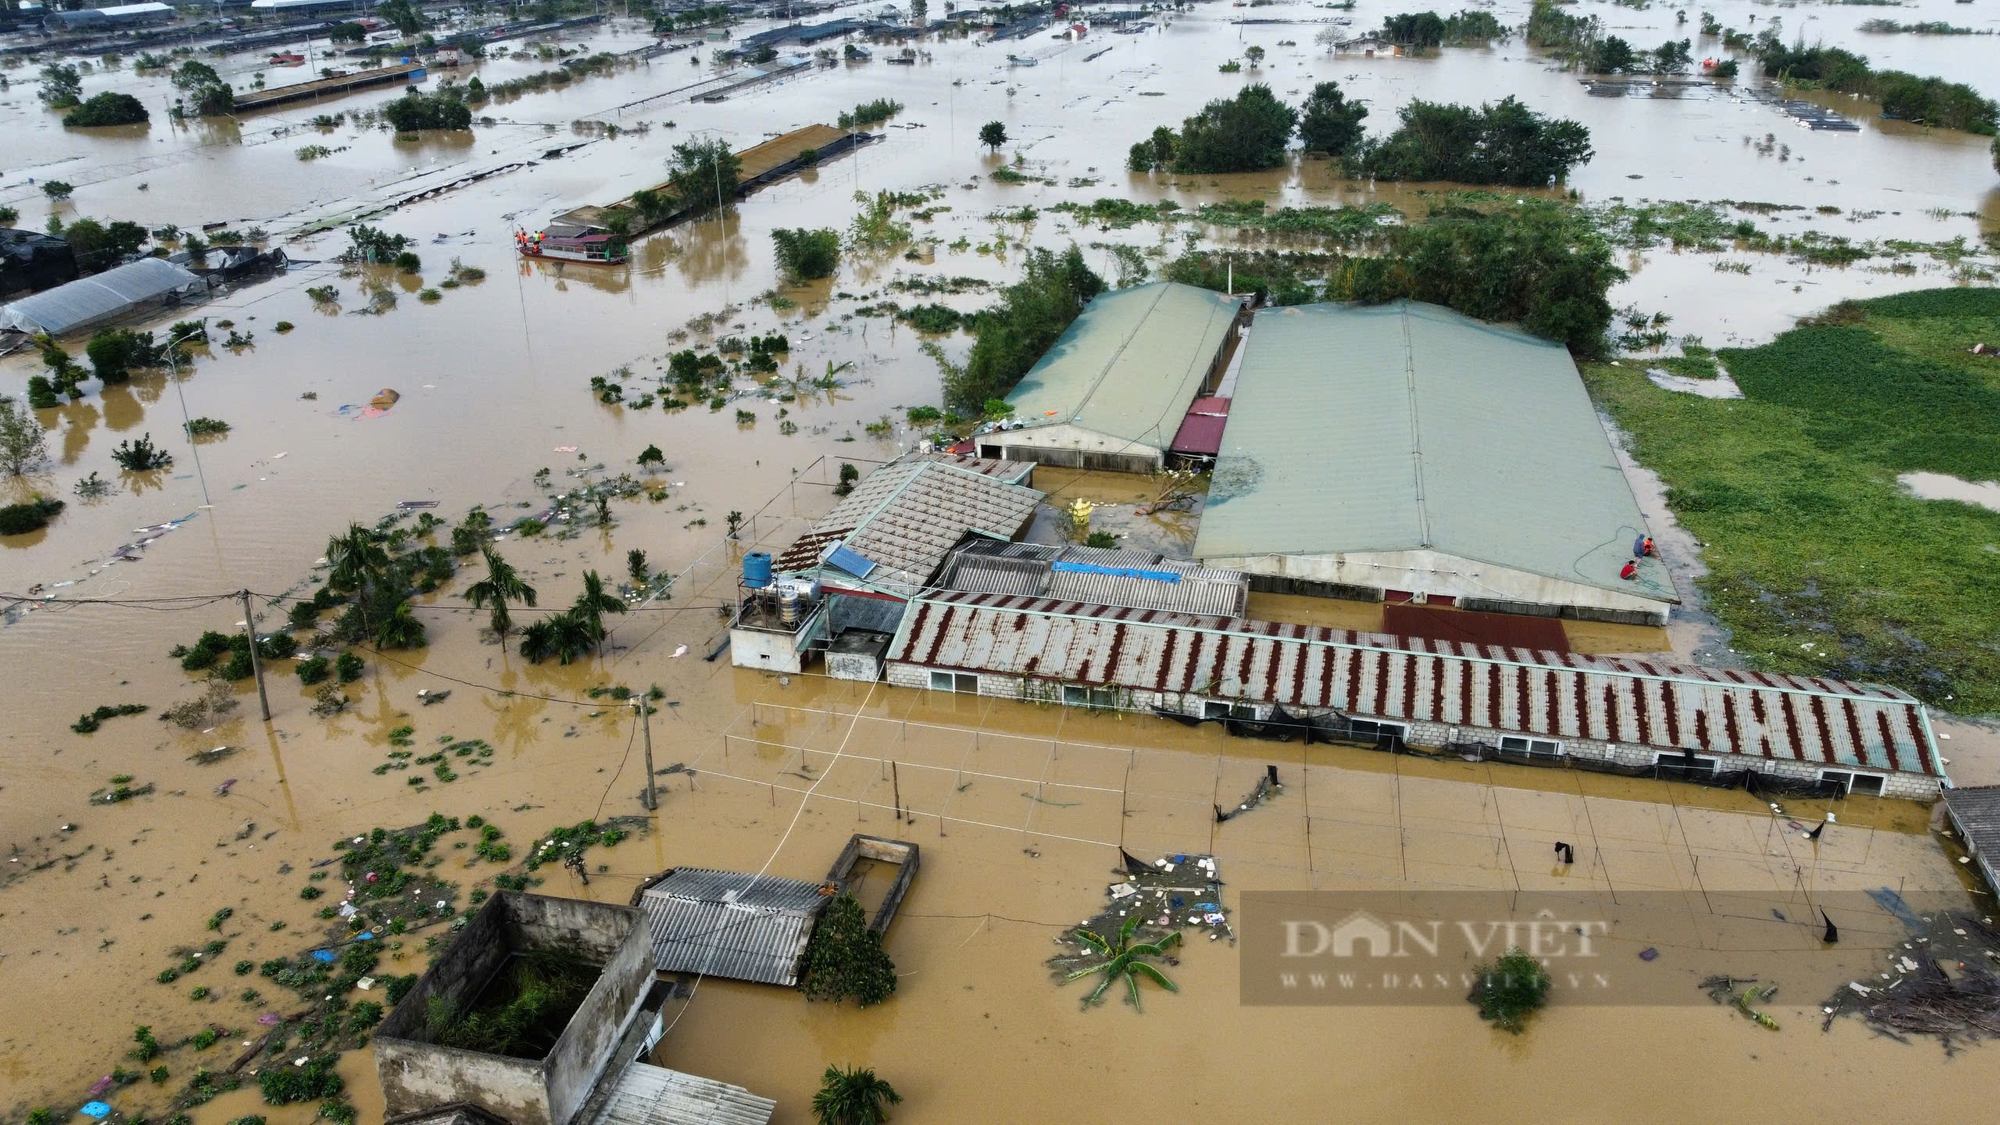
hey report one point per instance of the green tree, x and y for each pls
(1328, 122)
(1510, 990)
(703, 174)
(1246, 133)
(358, 564)
(97, 246)
(1011, 336)
(1124, 960)
(593, 603)
(1255, 55)
(807, 255)
(919, 13)
(402, 14)
(62, 86)
(1420, 31)
(1502, 143)
(400, 629)
(415, 112)
(1610, 55)
(56, 190)
(853, 1096)
(993, 134)
(23, 445)
(194, 74)
(562, 636)
(501, 585)
(844, 959)
(107, 108)
(114, 352)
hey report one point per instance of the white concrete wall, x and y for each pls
(771, 652)
(1016, 445)
(1433, 572)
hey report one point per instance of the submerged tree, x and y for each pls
(23, 446)
(358, 565)
(806, 255)
(993, 134)
(1510, 990)
(501, 585)
(593, 603)
(1246, 133)
(562, 637)
(1011, 336)
(1328, 122)
(703, 174)
(853, 1097)
(1124, 960)
(844, 959)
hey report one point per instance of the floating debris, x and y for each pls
(1171, 894)
(210, 757)
(1268, 787)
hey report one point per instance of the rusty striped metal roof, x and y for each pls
(728, 924)
(907, 515)
(1553, 695)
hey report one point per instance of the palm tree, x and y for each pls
(564, 636)
(357, 561)
(502, 585)
(853, 1097)
(593, 604)
(400, 629)
(1123, 960)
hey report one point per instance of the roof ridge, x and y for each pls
(1104, 372)
(1416, 426)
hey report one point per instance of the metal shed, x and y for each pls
(1117, 383)
(728, 924)
(1405, 452)
(101, 297)
(1975, 816)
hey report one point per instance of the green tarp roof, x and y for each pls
(1130, 365)
(1406, 427)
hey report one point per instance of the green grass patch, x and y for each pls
(1820, 562)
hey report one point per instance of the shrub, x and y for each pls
(207, 427)
(844, 958)
(313, 669)
(284, 1085)
(141, 455)
(348, 667)
(1510, 990)
(19, 519)
(807, 255)
(106, 109)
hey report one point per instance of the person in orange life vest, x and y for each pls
(1630, 570)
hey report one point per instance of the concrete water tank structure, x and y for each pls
(419, 1075)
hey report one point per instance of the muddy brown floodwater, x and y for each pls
(1019, 810)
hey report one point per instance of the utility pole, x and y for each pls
(256, 663)
(646, 721)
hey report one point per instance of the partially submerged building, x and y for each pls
(133, 289)
(728, 924)
(590, 1075)
(1113, 390)
(1865, 737)
(1403, 452)
(32, 261)
(858, 565)
(117, 15)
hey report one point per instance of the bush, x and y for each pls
(20, 519)
(313, 669)
(415, 112)
(347, 667)
(1510, 990)
(106, 109)
(1502, 143)
(284, 1085)
(141, 455)
(844, 959)
(1246, 133)
(807, 255)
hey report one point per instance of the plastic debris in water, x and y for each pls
(1648, 953)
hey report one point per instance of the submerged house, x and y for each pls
(1403, 452)
(1113, 390)
(596, 959)
(128, 290)
(1865, 737)
(857, 567)
(726, 924)
(31, 260)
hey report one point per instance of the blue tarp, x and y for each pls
(1117, 571)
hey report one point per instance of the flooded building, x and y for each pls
(31, 260)
(1405, 453)
(1114, 389)
(118, 15)
(146, 285)
(1529, 705)
(728, 924)
(595, 958)
(858, 566)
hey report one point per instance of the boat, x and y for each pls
(593, 245)
(288, 58)
(1023, 60)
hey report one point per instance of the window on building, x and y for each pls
(1223, 709)
(964, 682)
(1368, 728)
(1685, 763)
(1866, 784)
(1103, 698)
(1535, 747)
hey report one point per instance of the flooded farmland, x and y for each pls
(1021, 811)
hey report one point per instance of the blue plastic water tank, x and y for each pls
(757, 570)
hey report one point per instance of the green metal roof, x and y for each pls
(1130, 365)
(1408, 427)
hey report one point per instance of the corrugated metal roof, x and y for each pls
(1555, 695)
(1406, 426)
(1200, 434)
(1128, 366)
(1976, 812)
(1031, 570)
(906, 516)
(99, 297)
(728, 924)
(654, 1095)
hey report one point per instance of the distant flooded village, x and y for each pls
(678, 564)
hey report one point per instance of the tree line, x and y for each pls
(1500, 143)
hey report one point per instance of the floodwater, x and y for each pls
(1943, 486)
(493, 379)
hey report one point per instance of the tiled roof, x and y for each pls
(1553, 695)
(906, 516)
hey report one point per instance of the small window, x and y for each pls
(963, 682)
(1365, 728)
(1103, 698)
(1685, 763)
(1076, 696)
(1211, 709)
(1866, 784)
(1534, 747)
(941, 681)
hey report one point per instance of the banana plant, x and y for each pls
(1124, 960)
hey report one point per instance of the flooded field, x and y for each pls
(1020, 810)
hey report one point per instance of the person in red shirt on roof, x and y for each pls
(1630, 570)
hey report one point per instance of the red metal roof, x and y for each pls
(1201, 431)
(1554, 695)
